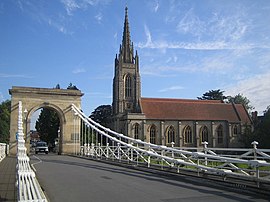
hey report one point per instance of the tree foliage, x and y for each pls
(102, 114)
(262, 131)
(241, 99)
(47, 125)
(5, 109)
(213, 95)
(219, 95)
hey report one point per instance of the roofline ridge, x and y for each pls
(185, 99)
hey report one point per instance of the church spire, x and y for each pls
(127, 46)
(126, 81)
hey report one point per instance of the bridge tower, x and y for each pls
(59, 100)
(126, 82)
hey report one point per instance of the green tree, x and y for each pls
(247, 137)
(5, 109)
(47, 125)
(102, 114)
(262, 131)
(240, 99)
(213, 95)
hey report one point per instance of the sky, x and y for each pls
(185, 47)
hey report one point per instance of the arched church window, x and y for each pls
(187, 135)
(171, 135)
(204, 134)
(128, 86)
(235, 130)
(220, 134)
(136, 131)
(153, 132)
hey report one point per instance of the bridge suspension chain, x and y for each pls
(101, 142)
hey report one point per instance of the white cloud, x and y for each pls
(70, 6)
(173, 58)
(15, 76)
(38, 14)
(153, 5)
(217, 26)
(156, 7)
(190, 23)
(218, 44)
(255, 88)
(63, 29)
(20, 4)
(95, 2)
(1, 97)
(214, 45)
(61, 21)
(57, 24)
(98, 95)
(221, 64)
(213, 31)
(156, 74)
(99, 17)
(234, 65)
(78, 70)
(230, 27)
(148, 37)
(172, 88)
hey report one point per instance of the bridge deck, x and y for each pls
(65, 178)
(8, 189)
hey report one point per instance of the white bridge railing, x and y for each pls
(28, 186)
(2, 151)
(97, 141)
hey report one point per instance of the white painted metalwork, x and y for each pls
(100, 142)
(28, 186)
(2, 151)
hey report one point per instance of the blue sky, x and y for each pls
(186, 47)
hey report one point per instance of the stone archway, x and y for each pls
(33, 99)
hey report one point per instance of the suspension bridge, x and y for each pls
(182, 169)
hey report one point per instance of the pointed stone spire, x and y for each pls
(127, 48)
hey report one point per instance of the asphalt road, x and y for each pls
(66, 178)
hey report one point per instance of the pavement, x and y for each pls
(8, 189)
(70, 179)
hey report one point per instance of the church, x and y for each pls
(185, 122)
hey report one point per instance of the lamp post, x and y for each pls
(57, 146)
(25, 124)
(25, 121)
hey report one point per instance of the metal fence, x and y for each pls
(252, 166)
(28, 186)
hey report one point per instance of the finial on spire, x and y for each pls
(126, 11)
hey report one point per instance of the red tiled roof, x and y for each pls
(245, 118)
(184, 109)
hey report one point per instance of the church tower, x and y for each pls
(126, 82)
